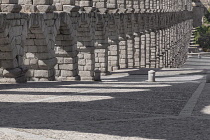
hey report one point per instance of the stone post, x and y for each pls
(151, 76)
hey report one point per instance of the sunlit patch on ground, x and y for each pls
(181, 78)
(47, 98)
(206, 110)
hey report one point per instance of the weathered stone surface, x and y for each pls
(67, 39)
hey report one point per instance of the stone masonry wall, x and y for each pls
(44, 40)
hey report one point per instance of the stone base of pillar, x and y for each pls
(16, 75)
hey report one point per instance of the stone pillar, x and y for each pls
(148, 38)
(66, 51)
(164, 48)
(137, 39)
(151, 4)
(143, 50)
(136, 5)
(113, 39)
(153, 48)
(142, 26)
(11, 46)
(123, 52)
(158, 4)
(101, 44)
(129, 4)
(161, 53)
(130, 38)
(158, 43)
(157, 35)
(86, 63)
(112, 4)
(85, 43)
(142, 4)
(121, 4)
(147, 4)
(167, 46)
(39, 47)
(161, 4)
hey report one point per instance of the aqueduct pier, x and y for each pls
(43, 40)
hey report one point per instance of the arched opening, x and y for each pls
(66, 54)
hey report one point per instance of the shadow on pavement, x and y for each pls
(127, 109)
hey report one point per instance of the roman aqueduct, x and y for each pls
(43, 40)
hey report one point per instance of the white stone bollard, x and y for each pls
(97, 76)
(151, 76)
(199, 56)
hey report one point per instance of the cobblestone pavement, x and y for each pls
(124, 106)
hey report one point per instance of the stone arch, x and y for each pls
(39, 54)
(66, 52)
